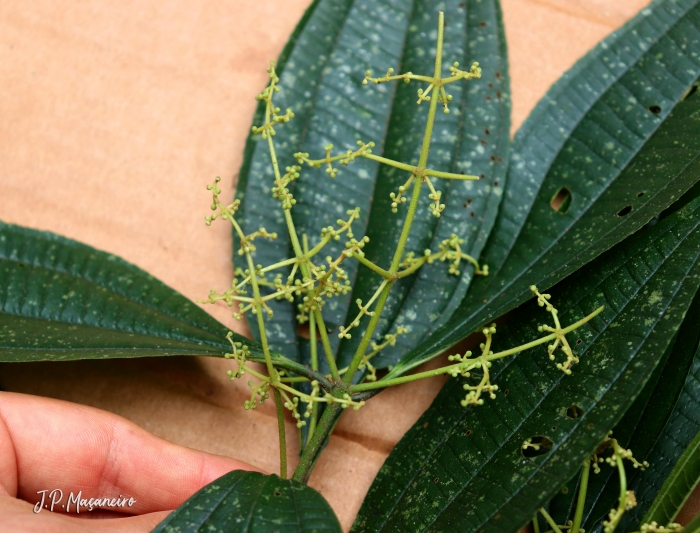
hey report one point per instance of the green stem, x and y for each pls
(312, 340)
(583, 489)
(315, 443)
(314, 365)
(622, 505)
(413, 206)
(282, 432)
(319, 318)
(379, 270)
(550, 521)
(327, 349)
(535, 525)
(491, 357)
(362, 348)
(274, 376)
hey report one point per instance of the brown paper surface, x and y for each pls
(115, 115)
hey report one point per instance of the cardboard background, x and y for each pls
(115, 116)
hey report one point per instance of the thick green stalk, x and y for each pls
(323, 429)
(583, 489)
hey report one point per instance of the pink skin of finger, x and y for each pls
(51, 445)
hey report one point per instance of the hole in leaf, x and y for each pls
(624, 211)
(469, 432)
(654, 109)
(493, 158)
(690, 92)
(487, 131)
(554, 428)
(482, 141)
(539, 445)
(277, 493)
(472, 214)
(498, 94)
(498, 75)
(574, 412)
(640, 194)
(436, 480)
(482, 176)
(590, 426)
(506, 392)
(495, 183)
(561, 201)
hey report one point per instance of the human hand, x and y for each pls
(48, 444)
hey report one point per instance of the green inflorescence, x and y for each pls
(314, 279)
(611, 452)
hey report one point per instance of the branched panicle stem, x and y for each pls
(311, 281)
(410, 215)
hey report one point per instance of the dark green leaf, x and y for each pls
(646, 419)
(678, 486)
(331, 106)
(606, 132)
(62, 300)
(250, 502)
(468, 463)
(666, 450)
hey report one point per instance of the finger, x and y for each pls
(18, 516)
(74, 448)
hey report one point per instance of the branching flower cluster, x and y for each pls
(314, 279)
(611, 452)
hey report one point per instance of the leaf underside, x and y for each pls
(331, 106)
(468, 462)
(601, 132)
(250, 502)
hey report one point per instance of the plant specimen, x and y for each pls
(433, 240)
(313, 285)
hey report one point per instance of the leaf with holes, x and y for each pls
(599, 146)
(469, 463)
(644, 425)
(62, 300)
(250, 502)
(331, 106)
